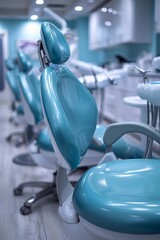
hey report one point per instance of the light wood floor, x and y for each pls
(44, 222)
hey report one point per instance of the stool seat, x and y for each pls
(121, 196)
(43, 140)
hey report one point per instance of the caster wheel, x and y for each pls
(8, 139)
(25, 210)
(17, 144)
(17, 192)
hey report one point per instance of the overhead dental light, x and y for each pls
(34, 17)
(39, 2)
(78, 8)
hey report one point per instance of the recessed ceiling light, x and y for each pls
(108, 23)
(114, 12)
(34, 17)
(78, 8)
(110, 10)
(104, 9)
(40, 2)
(91, 1)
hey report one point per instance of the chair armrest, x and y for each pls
(117, 130)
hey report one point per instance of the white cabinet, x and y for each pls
(121, 21)
(157, 16)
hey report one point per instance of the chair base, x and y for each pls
(24, 159)
(28, 204)
(17, 138)
(49, 188)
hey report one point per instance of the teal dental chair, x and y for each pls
(18, 138)
(115, 200)
(40, 147)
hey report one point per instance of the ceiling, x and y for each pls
(65, 8)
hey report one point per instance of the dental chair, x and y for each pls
(115, 200)
(18, 138)
(39, 148)
(122, 148)
(44, 153)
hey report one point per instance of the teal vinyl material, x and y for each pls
(97, 143)
(12, 80)
(125, 150)
(122, 149)
(20, 110)
(30, 86)
(70, 111)
(43, 140)
(121, 196)
(25, 62)
(55, 45)
(9, 64)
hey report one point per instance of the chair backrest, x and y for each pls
(24, 61)
(12, 79)
(30, 90)
(69, 109)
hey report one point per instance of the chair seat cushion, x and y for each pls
(121, 196)
(43, 140)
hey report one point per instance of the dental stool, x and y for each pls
(40, 147)
(18, 138)
(115, 200)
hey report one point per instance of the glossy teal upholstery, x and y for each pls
(43, 140)
(59, 90)
(55, 46)
(121, 196)
(57, 84)
(9, 64)
(12, 79)
(122, 149)
(57, 50)
(25, 63)
(30, 86)
(20, 110)
(31, 91)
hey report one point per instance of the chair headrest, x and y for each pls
(9, 64)
(25, 62)
(54, 43)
